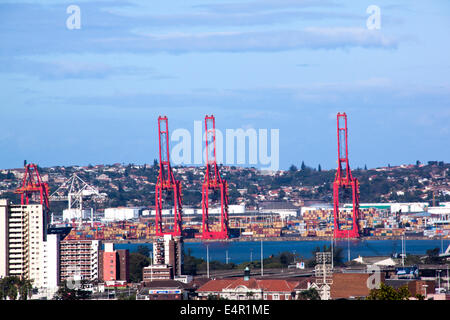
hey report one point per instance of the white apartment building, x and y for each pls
(25, 249)
(79, 260)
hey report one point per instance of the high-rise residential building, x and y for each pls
(114, 264)
(169, 251)
(50, 265)
(79, 260)
(26, 251)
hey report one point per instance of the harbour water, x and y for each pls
(242, 251)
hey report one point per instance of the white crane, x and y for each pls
(73, 190)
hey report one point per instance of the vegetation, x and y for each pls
(433, 256)
(193, 265)
(310, 294)
(386, 292)
(338, 258)
(13, 287)
(66, 293)
(126, 185)
(125, 296)
(137, 262)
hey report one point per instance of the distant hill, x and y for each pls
(133, 185)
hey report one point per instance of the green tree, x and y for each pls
(25, 287)
(66, 293)
(137, 263)
(433, 256)
(310, 294)
(144, 250)
(303, 166)
(13, 287)
(338, 255)
(386, 292)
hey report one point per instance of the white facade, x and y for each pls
(122, 213)
(232, 209)
(409, 207)
(23, 251)
(75, 213)
(4, 237)
(49, 269)
(79, 260)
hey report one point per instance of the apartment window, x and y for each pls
(276, 297)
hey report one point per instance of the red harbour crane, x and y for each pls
(344, 181)
(213, 182)
(34, 190)
(166, 183)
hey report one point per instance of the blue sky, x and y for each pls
(93, 95)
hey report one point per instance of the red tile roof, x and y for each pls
(347, 285)
(267, 285)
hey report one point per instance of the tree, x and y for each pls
(303, 166)
(137, 263)
(319, 168)
(12, 287)
(386, 292)
(66, 293)
(310, 294)
(293, 168)
(338, 258)
(433, 256)
(144, 250)
(25, 289)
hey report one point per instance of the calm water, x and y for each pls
(246, 251)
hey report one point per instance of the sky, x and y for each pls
(93, 95)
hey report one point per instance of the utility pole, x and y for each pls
(332, 253)
(403, 251)
(448, 286)
(207, 260)
(348, 246)
(439, 280)
(151, 266)
(262, 259)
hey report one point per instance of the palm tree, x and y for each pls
(12, 286)
(25, 288)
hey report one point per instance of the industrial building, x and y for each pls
(76, 214)
(121, 213)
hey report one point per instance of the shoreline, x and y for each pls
(280, 239)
